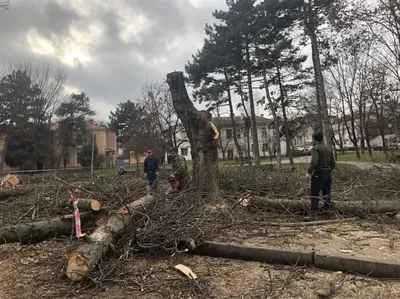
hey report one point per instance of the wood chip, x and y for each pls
(187, 271)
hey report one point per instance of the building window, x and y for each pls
(264, 147)
(184, 151)
(183, 134)
(252, 148)
(229, 133)
(264, 132)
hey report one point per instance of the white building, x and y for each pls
(226, 144)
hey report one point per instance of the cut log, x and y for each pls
(29, 233)
(320, 260)
(355, 208)
(89, 254)
(86, 204)
(5, 194)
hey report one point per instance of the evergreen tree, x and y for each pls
(73, 116)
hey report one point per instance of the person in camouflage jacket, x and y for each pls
(321, 166)
(179, 169)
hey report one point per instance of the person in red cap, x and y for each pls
(151, 169)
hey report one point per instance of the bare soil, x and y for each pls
(36, 271)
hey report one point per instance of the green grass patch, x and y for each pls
(376, 157)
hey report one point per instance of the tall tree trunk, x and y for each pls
(340, 141)
(256, 147)
(200, 134)
(319, 78)
(274, 115)
(232, 115)
(246, 126)
(361, 126)
(4, 152)
(285, 121)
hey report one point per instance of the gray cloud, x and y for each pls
(115, 46)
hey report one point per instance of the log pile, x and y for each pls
(87, 256)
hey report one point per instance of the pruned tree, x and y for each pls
(200, 134)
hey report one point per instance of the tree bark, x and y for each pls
(5, 194)
(35, 232)
(247, 127)
(85, 204)
(88, 255)
(4, 152)
(200, 134)
(232, 115)
(355, 208)
(256, 147)
(319, 78)
(275, 116)
(285, 120)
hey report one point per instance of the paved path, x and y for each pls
(358, 164)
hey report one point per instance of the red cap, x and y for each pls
(149, 151)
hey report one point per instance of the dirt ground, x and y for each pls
(38, 271)
(360, 239)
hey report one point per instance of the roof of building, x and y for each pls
(240, 120)
(90, 126)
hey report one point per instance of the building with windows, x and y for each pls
(226, 145)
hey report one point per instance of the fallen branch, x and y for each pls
(27, 233)
(72, 186)
(312, 223)
(88, 255)
(356, 208)
(5, 194)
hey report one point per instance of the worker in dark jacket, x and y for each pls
(151, 169)
(322, 164)
(179, 169)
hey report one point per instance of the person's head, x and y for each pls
(317, 137)
(173, 152)
(149, 153)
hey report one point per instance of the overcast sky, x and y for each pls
(109, 48)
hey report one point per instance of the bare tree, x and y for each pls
(48, 77)
(4, 4)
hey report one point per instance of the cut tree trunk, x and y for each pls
(355, 208)
(5, 194)
(28, 233)
(86, 204)
(88, 255)
(197, 125)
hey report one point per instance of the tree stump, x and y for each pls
(201, 135)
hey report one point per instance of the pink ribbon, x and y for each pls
(5, 183)
(78, 228)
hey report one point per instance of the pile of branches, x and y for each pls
(49, 195)
(376, 184)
